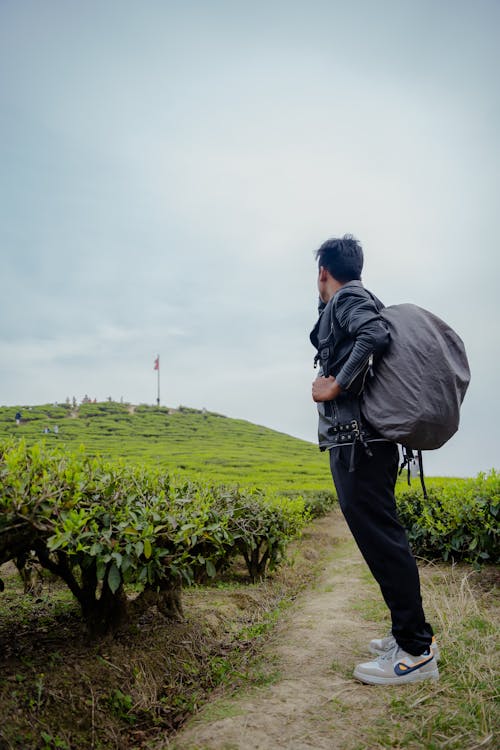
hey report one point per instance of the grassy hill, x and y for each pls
(185, 441)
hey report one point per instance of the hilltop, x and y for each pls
(183, 440)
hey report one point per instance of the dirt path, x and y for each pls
(312, 701)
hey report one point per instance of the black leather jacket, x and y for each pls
(349, 334)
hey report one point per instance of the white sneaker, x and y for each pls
(380, 646)
(397, 667)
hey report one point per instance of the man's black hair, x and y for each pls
(342, 257)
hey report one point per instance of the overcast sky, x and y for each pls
(168, 169)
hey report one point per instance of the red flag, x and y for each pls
(156, 365)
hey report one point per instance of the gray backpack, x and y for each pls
(414, 392)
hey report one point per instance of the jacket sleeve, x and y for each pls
(359, 317)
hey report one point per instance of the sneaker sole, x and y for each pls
(416, 676)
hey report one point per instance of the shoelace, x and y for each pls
(392, 654)
(392, 642)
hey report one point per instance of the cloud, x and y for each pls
(171, 170)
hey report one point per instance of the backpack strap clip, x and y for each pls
(408, 457)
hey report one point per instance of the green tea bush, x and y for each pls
(261, 526)
(102, 526)
(458, 521)
(319, 502)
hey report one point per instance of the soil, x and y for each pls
(314, 704)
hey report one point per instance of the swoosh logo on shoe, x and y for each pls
(401, 668)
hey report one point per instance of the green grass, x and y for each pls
(460, 712)
(185, 441)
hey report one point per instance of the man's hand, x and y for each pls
(325, 389)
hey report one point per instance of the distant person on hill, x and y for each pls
(18, 417)
(364, 466)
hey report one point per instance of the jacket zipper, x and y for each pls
(366, 364)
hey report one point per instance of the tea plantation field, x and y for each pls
(183, 441)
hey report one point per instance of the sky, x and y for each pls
(169, 169)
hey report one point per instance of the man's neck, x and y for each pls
(332, 287)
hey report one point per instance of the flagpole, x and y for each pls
(158, 370)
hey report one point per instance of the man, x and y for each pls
(349, 336)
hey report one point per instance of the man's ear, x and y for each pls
(323, 273)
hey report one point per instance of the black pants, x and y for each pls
(366, 496)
